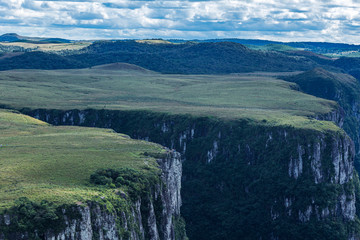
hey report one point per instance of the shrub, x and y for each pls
(135, 181)
(34, 218)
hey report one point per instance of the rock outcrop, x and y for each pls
(152, 217)
(247, 180)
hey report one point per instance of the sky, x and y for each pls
(279, 20)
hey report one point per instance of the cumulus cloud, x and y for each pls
(284, 20)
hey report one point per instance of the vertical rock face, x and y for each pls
(170, 195)
(331, 161)
(143, 221)
(337, 116)
(341, 157)
(342, 88)
(280, 182)
(355, 131)
(296, 165)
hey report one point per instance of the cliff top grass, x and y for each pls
(259, 97)
(44, 162)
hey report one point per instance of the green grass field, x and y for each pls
(40, 161)
(254, 96)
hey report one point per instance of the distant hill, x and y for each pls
(54, 40)
(318, 47)
(321, 60)
(10, 37)
(191, 58)
(13, 37)
(256, 42)
(272, 47)
(186, 58)
(350, 65)
(324, 47)
(121, 67)
(38, 60)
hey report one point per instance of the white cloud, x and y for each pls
(289, 20)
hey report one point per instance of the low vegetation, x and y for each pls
(40, 162)
(258, 97)
(136, 182)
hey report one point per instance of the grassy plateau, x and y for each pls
(44, 162)
(126, 87)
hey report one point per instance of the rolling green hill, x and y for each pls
(190, 57)
(185, 58)
(219, 56)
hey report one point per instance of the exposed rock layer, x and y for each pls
(142, 220)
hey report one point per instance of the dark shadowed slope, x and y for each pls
(38, 60)
(186, 58)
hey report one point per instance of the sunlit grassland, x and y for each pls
(40, 161)
(259, 96)
(49, 47)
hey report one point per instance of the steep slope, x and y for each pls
(335, 86)
(54, 184)
(248, 180)
(342, 88)
(321, 60)
(350, 65)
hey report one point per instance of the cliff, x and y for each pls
(248, 180)
(341, 88)
(154, 214)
